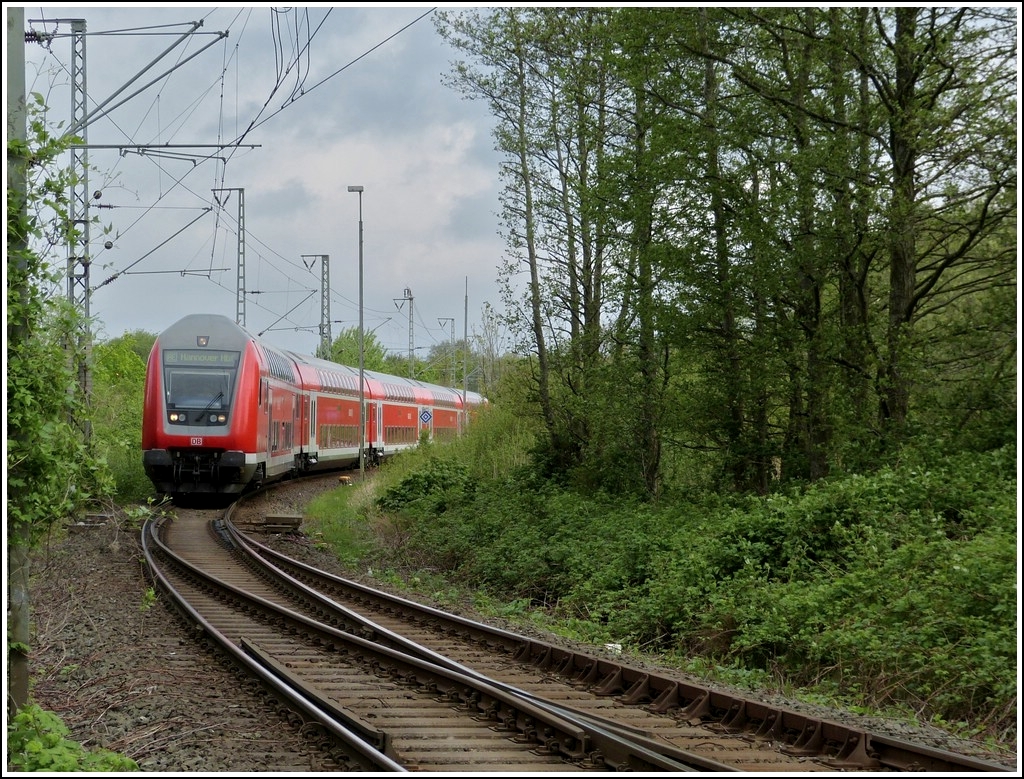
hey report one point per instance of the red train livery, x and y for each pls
(225, 411)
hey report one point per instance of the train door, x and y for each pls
(284, 407)
(273, 431)
(269, 436)
(368, 426)
(261, 418)
(372, 442)
(302, 424)
(283, 410)
(313, 444)
(380, 425)
(374, 417)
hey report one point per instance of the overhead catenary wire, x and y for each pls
(132, 144)
(144, 256)
(301, 33)
(293, 98)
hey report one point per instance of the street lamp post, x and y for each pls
(362, 401)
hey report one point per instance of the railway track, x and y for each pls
(390, 685)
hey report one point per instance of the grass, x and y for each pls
(336, 521)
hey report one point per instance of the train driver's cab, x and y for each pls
(198, 386)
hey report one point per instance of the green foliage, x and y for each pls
(148, 599)
(433, 490)
(336, 521)
(51, 470)
(37, 740)
(496, 441)
(140, 342)
(345, 350)
(136, 516)
(975, 404)
(891, 590)
(889, 587)
(119, 374)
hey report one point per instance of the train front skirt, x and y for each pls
(187, 472)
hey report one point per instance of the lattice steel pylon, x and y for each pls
(412, 364)
(78, 212)
(240, 275)
(325, 301)
(325, 305)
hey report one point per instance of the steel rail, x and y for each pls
(355, 744)
(361, 625)
(834, 744)
(582, 741)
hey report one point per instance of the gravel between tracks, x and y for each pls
(124, 675)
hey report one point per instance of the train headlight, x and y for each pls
(176, 417)
(222, 418)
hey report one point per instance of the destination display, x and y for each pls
(208, 357)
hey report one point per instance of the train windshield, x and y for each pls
(200, 379)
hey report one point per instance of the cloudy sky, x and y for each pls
(322, 98)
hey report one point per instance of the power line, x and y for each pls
(294, 98)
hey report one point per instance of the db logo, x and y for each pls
(197, 441)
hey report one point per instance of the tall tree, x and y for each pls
(947, 88)
(867, 104)
(492, 346)
(851, 201)
(756, 217)
(723, 263)
(501, 40)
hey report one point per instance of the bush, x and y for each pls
(118, 378)
(896, 589)
(440, 485)
(37, 741)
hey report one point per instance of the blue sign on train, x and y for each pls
(425, 416)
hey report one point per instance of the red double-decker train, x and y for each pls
(225, 411)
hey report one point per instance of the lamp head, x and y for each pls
(355, 188)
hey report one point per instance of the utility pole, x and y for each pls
(19, 640)
(78, 212)
(325, 302)
(358, 189)
(240, 275)
(465, 357)
(441, 321)
(412, 365)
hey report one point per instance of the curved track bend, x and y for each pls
(391, 685)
